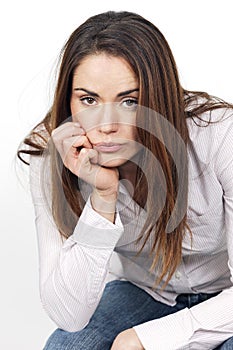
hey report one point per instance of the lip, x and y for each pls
(108, 147)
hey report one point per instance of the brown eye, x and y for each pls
(89, 101)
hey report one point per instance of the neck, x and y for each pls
(129, 169)
(128, 172)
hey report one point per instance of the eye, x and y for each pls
(88, 101)
(130, 103)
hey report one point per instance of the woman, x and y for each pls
(131, 178)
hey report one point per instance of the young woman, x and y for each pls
(131, 178)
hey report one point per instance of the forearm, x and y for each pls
(203, 326)
(104, 203)
(74, 276)
(72, 292)
(72, 273)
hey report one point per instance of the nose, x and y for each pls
(108, 122)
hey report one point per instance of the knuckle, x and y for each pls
(65, 141)
(83, 152)
(78, 138)
(67, 144)
(54, 134)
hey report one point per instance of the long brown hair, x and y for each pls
(142, 45)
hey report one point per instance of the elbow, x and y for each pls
(69, 326)
(73, 328)
(65, 316)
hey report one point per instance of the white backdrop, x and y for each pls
(32, 33)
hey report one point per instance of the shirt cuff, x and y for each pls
(94, 230)
(171, 332)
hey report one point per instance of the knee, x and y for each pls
(87, 339)
(227, 345)
(59, 340)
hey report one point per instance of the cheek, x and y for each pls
(91, 135)
(74, 109)
(124, 132)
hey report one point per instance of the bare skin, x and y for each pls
(127, 339)
(98, 149)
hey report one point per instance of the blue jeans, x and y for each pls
(122, 306)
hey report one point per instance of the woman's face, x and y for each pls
(104, 101)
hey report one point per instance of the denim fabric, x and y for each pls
(122, 306)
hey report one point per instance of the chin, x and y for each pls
(111, 163)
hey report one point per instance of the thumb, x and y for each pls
(93, 156)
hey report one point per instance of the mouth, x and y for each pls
(108, 147)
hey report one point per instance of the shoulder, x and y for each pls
(208, 131)
(39, 175)
(209, 124)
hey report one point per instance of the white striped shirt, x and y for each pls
(73, 273)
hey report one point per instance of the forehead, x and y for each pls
(102, 69)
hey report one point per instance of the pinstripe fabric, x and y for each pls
(73, 273)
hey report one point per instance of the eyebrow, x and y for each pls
(94, 94)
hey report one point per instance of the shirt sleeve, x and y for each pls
(73, 272)
(209, 323)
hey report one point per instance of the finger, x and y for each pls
(80, 140)
(67, 130)
(72, 146)
(93, 156)
(88, 157)
(87, 163)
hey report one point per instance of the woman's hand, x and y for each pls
(69, 139)
(81, 159)
(127, 340)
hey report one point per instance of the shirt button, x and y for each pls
(177, 275)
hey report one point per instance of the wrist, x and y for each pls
(104, 202)
(109, 194)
